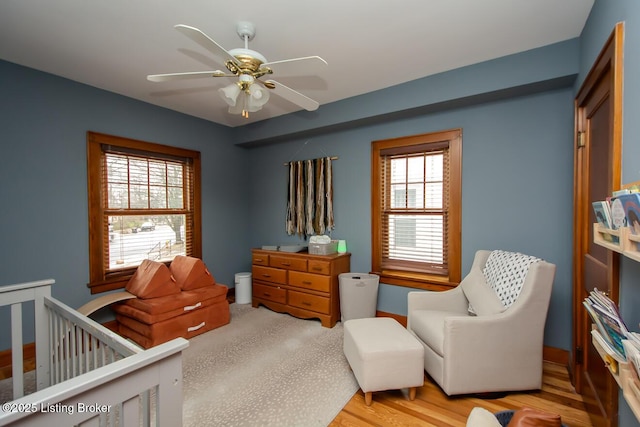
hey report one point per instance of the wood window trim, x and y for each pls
(98, 282)
(407, 278)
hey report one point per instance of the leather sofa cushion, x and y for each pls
(152, 279)
(190, 273)
(529, 417)
(157, 309)
(187, 325)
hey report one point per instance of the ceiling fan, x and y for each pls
(248, 66)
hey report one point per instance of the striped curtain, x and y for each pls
(310, 197)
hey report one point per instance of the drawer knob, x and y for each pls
(306, 282)
(317, 268)
(267, 294)
(287, 264)
(308, 304)
(266, 275)
(259, 260)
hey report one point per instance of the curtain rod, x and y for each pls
(288, 163)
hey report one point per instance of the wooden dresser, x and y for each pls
(300, 284)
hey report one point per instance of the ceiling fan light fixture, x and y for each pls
(230, 94)
(243, 97)
(259, 96)
(240, 106)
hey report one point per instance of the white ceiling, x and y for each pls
(369, 45)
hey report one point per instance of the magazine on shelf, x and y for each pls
(607, 347)
(602, 300)
(611, 346)
(613, 320)
(605, 315)
(613, 330)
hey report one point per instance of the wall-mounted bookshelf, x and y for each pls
(621, 240)
(622, 372)
(625, 242)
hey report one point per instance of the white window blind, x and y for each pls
(414, 209)
(146, 211)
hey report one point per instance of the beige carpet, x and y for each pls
(266, 369)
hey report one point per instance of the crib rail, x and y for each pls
(85, 373)
(80, 345)
(16, 296)
(110, 395)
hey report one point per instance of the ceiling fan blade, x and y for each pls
(186, 76)
(291, 95)
(297, 66)
(205, 41)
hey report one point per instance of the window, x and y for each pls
(416, 209)
(144, 203)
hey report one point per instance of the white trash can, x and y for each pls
(243, 288)
(358, 295)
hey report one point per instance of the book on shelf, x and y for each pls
(602, 211)
(633, 357)
(605, 315)
(634, 338)
(618, 218)
(631, 205)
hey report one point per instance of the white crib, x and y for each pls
(87, 375)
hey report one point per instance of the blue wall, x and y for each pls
(516, 114)
(517, 185)
(43, 179)
(604, 16)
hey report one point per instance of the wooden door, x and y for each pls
(598, 114)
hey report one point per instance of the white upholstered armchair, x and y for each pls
(499, 348)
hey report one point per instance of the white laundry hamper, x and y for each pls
(358, 295)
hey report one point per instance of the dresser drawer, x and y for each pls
(289, 263)
(269, 274)
(260, 259)
(315, 282)
(319, 267)
(271, 293)
(309, 302)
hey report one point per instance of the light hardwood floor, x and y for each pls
(433, 408)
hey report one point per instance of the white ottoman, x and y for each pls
(383, 355)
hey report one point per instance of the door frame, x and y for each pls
(610, 59)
